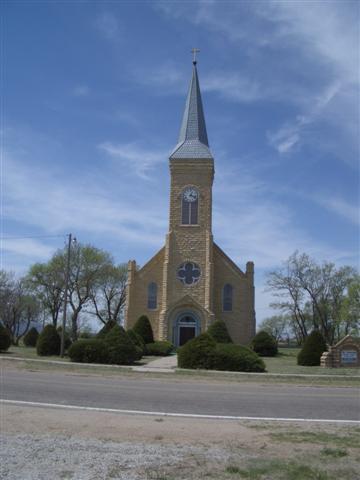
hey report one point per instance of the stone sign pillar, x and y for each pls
(345, 353)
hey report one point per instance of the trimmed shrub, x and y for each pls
(313, 348)
(121, 349)
(162, 349)
(67, 339)
(137, 340)
(89, 351)
(31, 337)
(48, 342)
(106, 329)
(219, 332)
(264, 344)
(143, 328)
(5, 339)
(198, 352)
(237, 358)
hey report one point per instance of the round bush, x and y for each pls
(121, 349)
(90, 350)
(5, 339)
(137, 340)
(313, 348)
(106, 329)
(67, 339)
(143, 328)
(198, 352)
(264, 344)
(161, 349)
(31, 337)
(237, 358)
(48, 342)
(219, 332)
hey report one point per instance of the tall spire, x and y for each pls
(193, 141)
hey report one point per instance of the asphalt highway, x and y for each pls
(181, 396)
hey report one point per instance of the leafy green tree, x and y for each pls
(350, 310)
(46, 280)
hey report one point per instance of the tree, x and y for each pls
(88, 265)
(46, 280)
(311, 294)
(275, 325)
(18, 307)
(350, 310)
(108, 296)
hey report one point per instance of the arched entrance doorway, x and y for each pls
(186, 327)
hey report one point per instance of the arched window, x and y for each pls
(152, 295)
(227, 298)
(189, 206)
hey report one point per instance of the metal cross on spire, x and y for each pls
(194, 51)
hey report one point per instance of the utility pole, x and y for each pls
(67, 274)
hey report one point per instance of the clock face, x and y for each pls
(190, 195)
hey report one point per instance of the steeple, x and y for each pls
(193, 141)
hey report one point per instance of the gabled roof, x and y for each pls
(193, 141)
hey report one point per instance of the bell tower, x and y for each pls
(188, 265)
(191, 281)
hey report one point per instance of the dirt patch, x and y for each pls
(42, 443)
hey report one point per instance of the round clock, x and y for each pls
(190, 194)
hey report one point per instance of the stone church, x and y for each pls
(191, 282)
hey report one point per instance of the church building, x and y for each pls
(191, 282)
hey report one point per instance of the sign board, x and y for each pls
(349, 356)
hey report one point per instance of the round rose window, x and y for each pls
(188, 273)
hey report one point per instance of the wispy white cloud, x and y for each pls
(251, 225)
(317, 63)
(108, 25)
(96, 204)
(289, 135)
(339, 206)
(26, 247)
(132, 156)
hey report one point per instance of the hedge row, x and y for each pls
(203, 352)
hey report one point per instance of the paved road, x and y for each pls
(284, 401)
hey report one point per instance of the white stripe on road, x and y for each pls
(168, 414)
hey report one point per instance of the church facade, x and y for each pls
(191, 282)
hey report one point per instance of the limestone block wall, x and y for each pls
(240, 321)
(137, 293)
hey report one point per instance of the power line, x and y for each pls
(33, 236)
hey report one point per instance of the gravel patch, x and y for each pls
(44, 457)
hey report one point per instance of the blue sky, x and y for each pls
(92, 99)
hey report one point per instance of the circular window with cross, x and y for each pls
(188, 273)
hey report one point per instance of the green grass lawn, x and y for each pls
(30, 352)
(285, 362)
